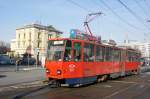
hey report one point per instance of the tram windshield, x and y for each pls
(55, 50)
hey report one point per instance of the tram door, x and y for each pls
(77, 51)
(123, 60)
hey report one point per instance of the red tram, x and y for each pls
(80, 61)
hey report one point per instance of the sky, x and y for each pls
(117, 21)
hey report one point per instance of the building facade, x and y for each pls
(33, 39)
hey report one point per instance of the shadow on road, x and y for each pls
(2, 76)
(22, 95)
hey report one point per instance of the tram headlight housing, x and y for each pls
(59, 72)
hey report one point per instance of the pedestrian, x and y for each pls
(17, 64)
(43, 61)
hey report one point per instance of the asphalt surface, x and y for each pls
(21, 76)
(130, 87)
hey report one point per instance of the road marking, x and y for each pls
(113, 94)
(117, 92)
(142, 86)
(148, 80)
(23, 85)
(147, 73)
(15, 87)
(127, 82)
(108, 86)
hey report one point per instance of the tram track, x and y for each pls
(21, 95)
(110, 89)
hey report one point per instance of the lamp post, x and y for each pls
(35, 51)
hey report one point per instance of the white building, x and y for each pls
(144, 47)
(146, 50)
(13, 44)
(33, 39)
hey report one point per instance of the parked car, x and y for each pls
(5, 60)
(12, 61)
(26, 61)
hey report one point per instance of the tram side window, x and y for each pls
(116, 55)
(135, 57)
(123, 55)
(89, 52)
(109, 54)
(68, 49)
(99, 53)
(77, 51)
(130, 56)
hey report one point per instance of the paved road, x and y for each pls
(131, 87)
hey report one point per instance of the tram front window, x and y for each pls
(68, 51)
(55, 50)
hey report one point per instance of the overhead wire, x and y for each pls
(133, 13)
(74, 3)
(112, 22)
(146, 4)
(142, 8)
(118, 16)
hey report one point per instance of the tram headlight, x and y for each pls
(59, 72)
(48, 71)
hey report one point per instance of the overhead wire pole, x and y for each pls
(133, 13)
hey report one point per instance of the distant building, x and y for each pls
(33, 39)
(144, 47)
(1, 43)
(13, 44)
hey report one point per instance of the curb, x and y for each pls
(33, 68)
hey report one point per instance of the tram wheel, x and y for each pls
(102, 78)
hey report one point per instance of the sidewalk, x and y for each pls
(12, 68)
(22, 76)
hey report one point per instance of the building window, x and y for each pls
(24, 44)
(38, 44)
(18, 44)
(24, 35)
(19, 35)
(39, 34)
(49, 36)
(30, 35)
